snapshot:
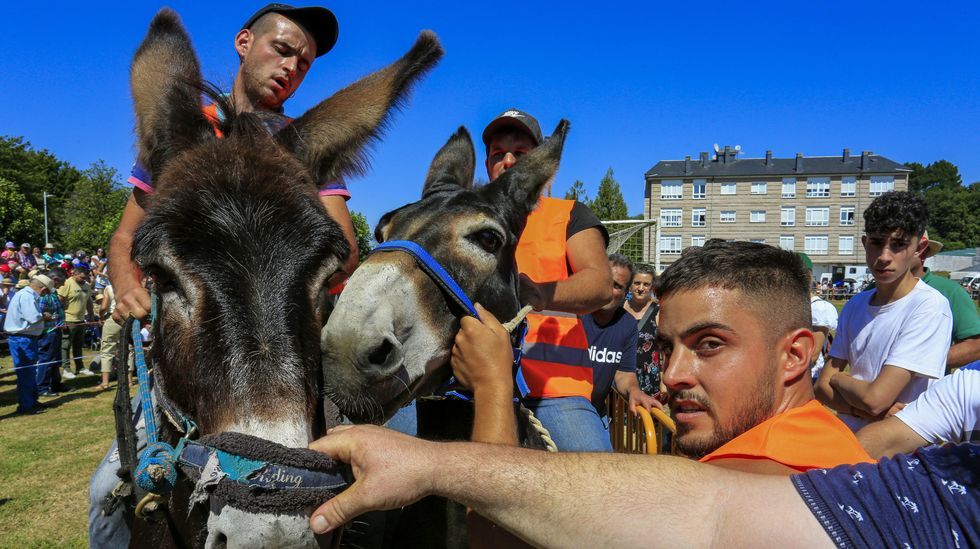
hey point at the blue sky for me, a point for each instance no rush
(640, 81)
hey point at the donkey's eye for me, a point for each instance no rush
(489, 240)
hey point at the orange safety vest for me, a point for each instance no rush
(555, 362)
(803, 438)
(211, 113)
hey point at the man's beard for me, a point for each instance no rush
(755, 408)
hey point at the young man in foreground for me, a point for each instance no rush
(896, 337)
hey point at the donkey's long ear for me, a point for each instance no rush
(452, 168)
(165, 79)
(330, 138)
(524, 182)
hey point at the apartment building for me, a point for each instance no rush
(811, 204)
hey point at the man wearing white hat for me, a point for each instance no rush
(966, 321)
(24, 323)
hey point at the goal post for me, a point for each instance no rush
(637, 239)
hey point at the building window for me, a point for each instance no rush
(700, 189)
(728, 188)
(818, 187)
(789, 187)
(697, 240)
(698, 217)
(671, 189)
(787, 242)
(787, 217)
(845, 245)
(815, 245)
(757, 216)
(817, 217)
(847, 215)
(670, 245)
(881, 184)
(671, 217)
(728, 216)
(848, 186)
(759, 187)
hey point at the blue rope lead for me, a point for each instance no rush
(156, 471)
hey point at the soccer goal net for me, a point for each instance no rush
(634, 238)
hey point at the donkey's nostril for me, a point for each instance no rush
(379, 356)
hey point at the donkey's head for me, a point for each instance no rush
(392, 330)
(238, 244)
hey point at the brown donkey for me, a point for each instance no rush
(239, 249)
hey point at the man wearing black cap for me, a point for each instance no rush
(564, 273)
(276, 47)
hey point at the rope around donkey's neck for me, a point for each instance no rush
(532, 421)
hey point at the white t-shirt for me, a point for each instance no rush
(949, 411)
(822, 313)
(913, 333)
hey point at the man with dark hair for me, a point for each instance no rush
(895, 337)
(276, 46)
(612, 351)
(735, 335)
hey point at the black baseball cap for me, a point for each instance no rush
(319, 22)
(516, 119)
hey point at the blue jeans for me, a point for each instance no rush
(573, 422)
(49, 355)
(405, 420)
(23, 350)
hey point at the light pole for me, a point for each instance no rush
(46, 240)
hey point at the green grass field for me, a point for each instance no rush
(46, 461)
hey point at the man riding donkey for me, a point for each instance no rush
(276, 46)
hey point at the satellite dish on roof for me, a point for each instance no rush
(738, 148)
(716, 147)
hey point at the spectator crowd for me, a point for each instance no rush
(52, 309)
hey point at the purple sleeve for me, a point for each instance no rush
(335, 188)
(140, 178)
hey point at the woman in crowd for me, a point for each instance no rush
(643, 308)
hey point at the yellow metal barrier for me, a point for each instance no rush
(636, 434)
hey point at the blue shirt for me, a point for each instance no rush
(612, 348)
(24, 314)
(52, 305)
(926, 499)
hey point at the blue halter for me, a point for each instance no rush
(435, 271)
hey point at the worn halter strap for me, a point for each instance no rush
(256, 465)
(435, 271)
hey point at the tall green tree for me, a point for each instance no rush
(609, 203)
(953, 208)
(19, 220)
(362, 231)
(35, 172)
(93, 209)
(577, 192)
(941, 174)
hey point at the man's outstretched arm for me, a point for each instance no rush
(131, 297)
(568, 499)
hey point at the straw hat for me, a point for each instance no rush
(934, 246)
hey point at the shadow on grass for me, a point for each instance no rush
(77, 389)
